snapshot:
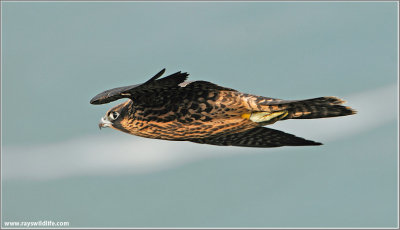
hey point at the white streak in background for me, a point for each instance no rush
(374, 108)
(101, 155)
(118, 153)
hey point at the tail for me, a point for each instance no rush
(268, 112)
(277, 109)
(320, 107)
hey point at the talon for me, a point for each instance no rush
(262, 117)
(284, 115)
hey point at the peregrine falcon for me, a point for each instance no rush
(171, 108)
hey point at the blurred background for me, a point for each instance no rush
(58, 166)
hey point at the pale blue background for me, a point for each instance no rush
(56, 56)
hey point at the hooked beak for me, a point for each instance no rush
(104, 122)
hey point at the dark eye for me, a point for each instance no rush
(113, 115)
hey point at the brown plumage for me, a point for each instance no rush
(202, 112)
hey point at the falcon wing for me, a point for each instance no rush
(133, 91)
(258, 137)
(152, 89)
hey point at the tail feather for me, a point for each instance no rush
(316, 108)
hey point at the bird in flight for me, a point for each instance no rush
(171, 108)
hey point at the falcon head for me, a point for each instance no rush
(121, 117)
(117, 117)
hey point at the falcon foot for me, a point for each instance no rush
(265, 118)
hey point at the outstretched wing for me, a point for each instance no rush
(258, 137)
(133, 91)
(153, 91)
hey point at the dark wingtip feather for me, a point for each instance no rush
(112, 95)
(99, 99)
(155, 77)
(94, 101)
(259, 137)
(308, 142)
(298, 141)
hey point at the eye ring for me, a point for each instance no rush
(114, 115)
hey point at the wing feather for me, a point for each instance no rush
(258, 137)
(133, 91)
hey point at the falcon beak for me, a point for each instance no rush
(104, 122)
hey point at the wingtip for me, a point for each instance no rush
(308, 143)
(94, 101)
(155, 77)
(159, 74)
(317, 143)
